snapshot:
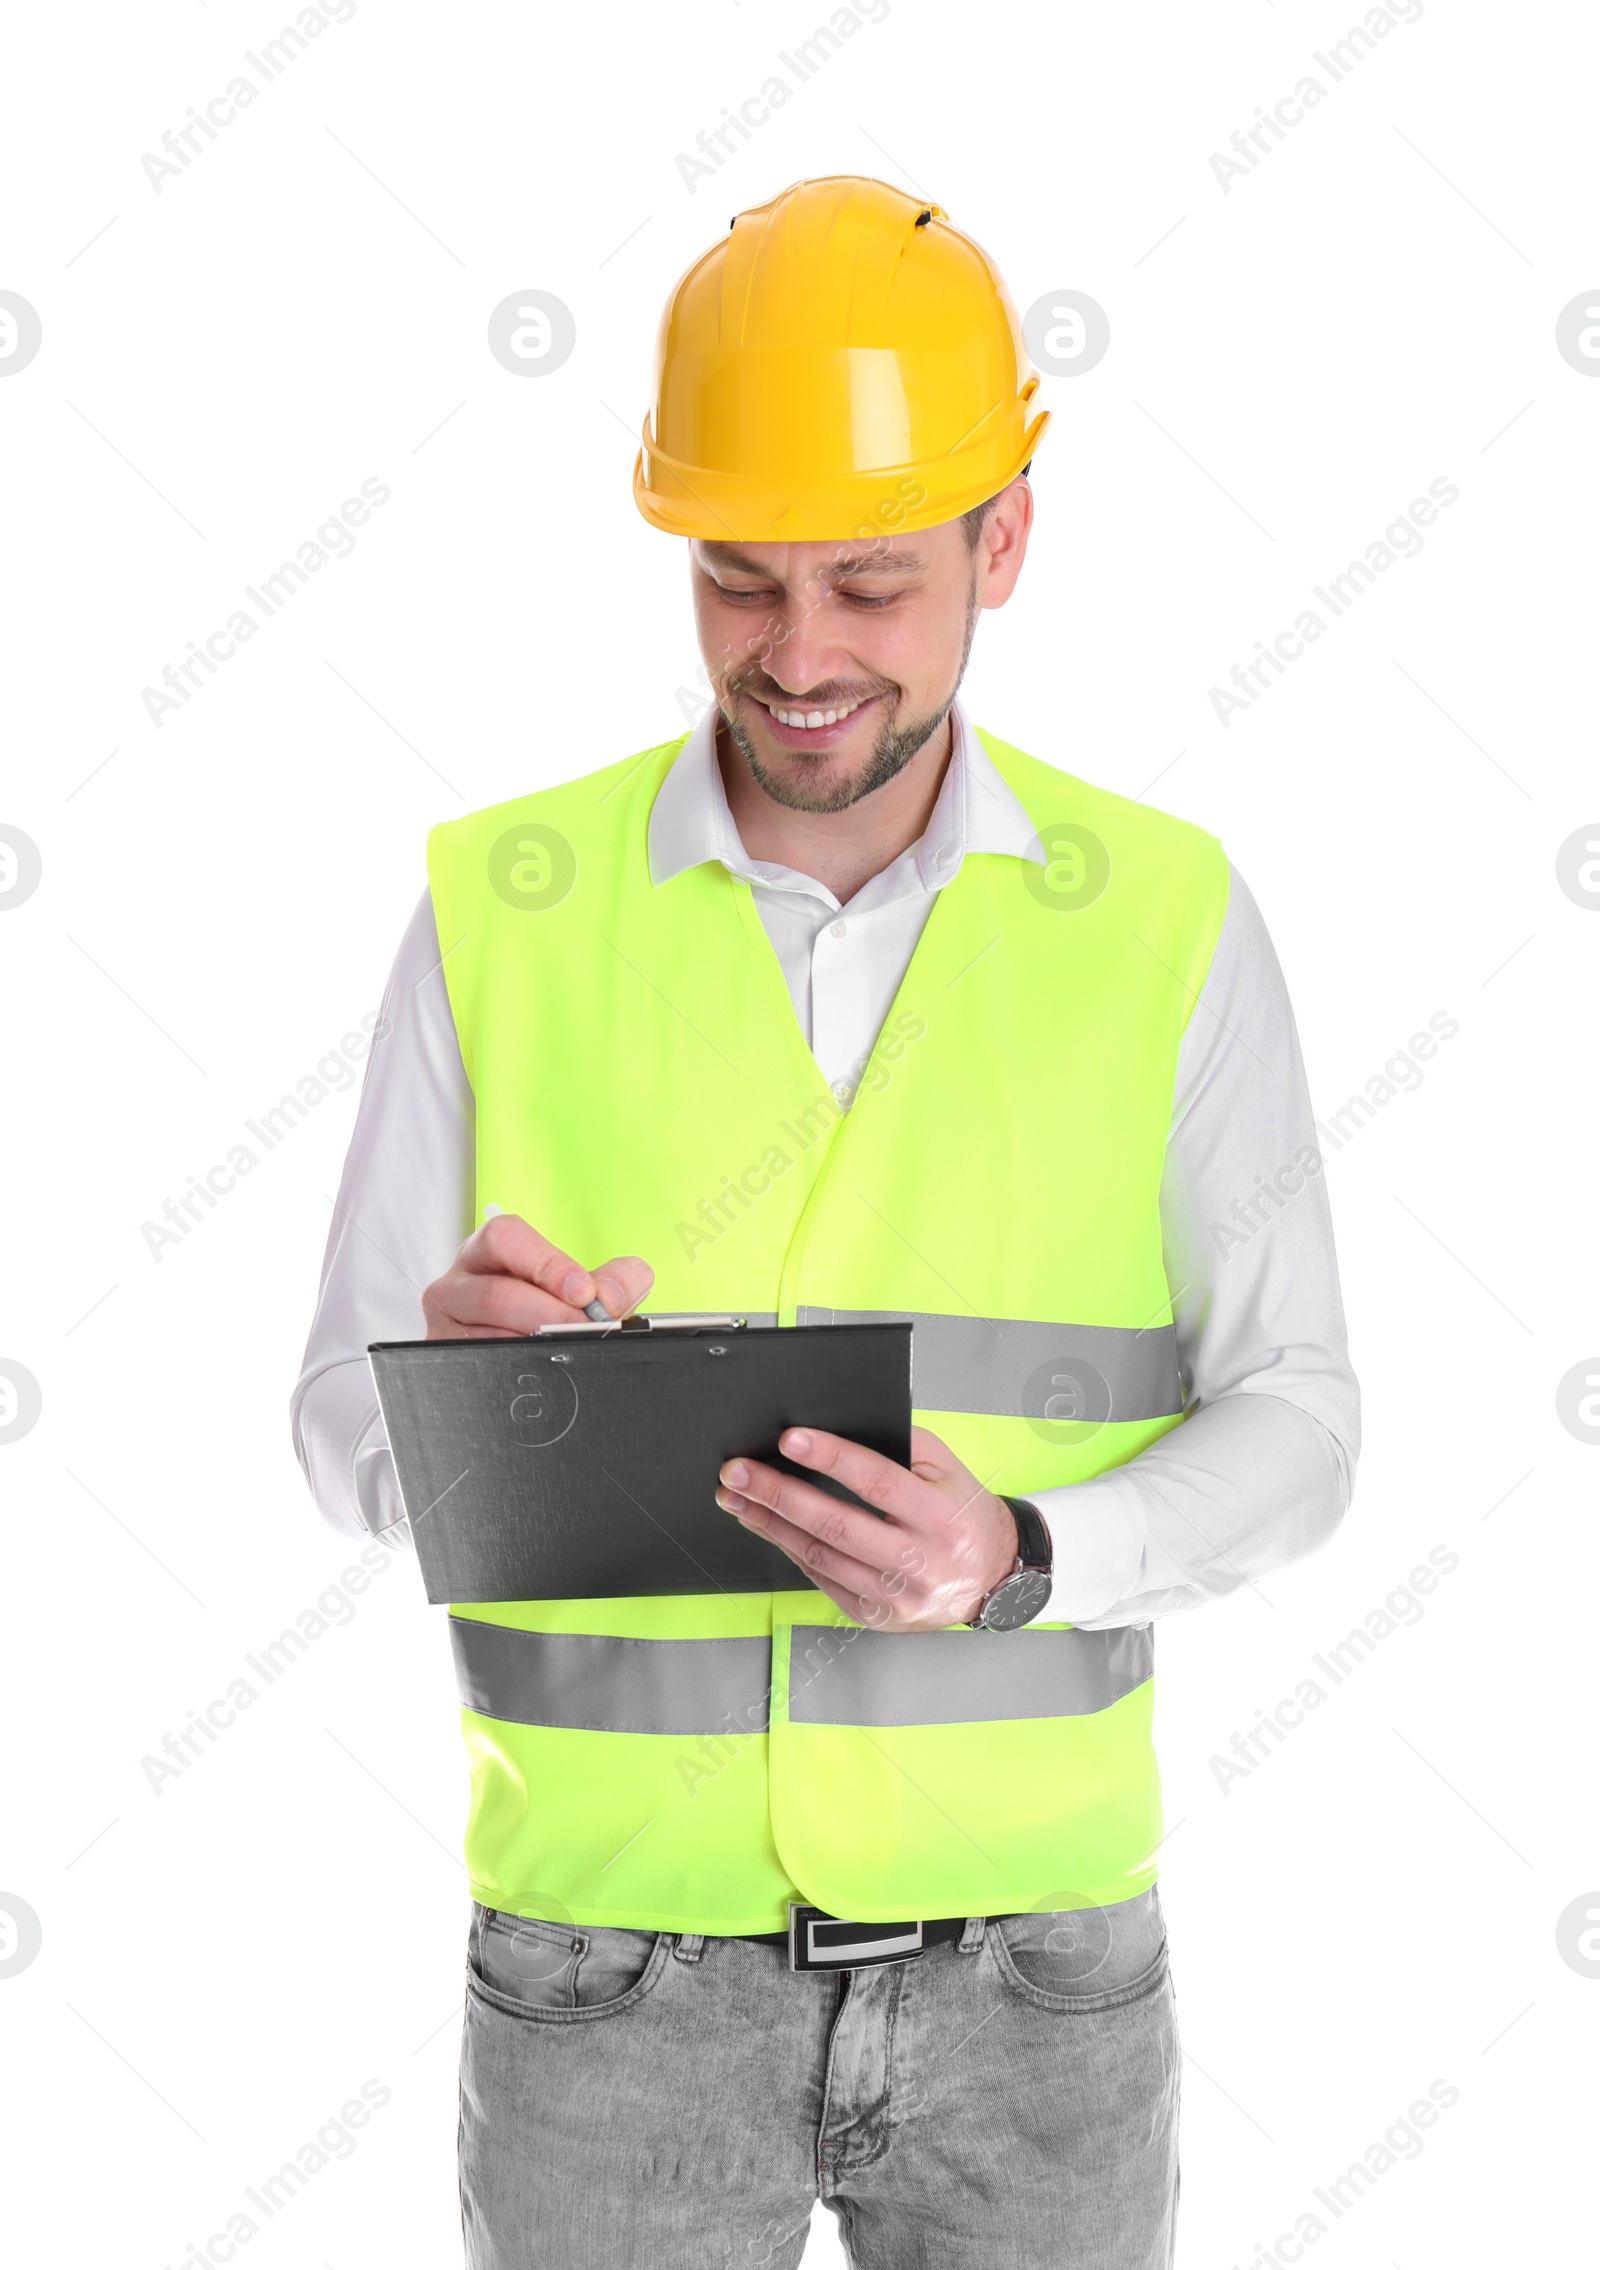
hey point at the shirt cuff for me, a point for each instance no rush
(1097, 1545)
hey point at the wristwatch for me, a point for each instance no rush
(1022, 1595)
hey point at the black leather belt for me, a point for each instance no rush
(819, 1941)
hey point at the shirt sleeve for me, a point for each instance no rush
(405, 1203)
(1260, 1472)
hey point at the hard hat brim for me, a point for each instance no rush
(721, 507)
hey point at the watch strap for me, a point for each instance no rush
(1033, 1536)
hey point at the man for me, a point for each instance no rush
(840, 1007)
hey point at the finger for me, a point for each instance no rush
(623, 1284)
(877, 1480)
(845, 1528)
(857, 1586)
(507, 1246)
(466, 1305)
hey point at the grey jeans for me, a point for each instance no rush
(648, 2100)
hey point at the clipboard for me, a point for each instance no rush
(581, 1462)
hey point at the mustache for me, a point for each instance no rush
(831, 696)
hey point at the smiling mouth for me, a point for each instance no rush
(812, 720)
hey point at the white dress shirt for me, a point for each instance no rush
(1261, 1471)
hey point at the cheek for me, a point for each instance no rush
(919, 652)
(731, 636)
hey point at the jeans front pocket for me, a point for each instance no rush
(1093, 1958)
(560, 1971)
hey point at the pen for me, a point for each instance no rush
(595, 1308)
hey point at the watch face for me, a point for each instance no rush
(1017, 1601)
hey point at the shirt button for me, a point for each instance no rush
(837, 929)
(841, 1089)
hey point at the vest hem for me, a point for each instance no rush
(653, 1918)
(1111, 1893)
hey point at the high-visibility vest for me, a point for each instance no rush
(696, 1762)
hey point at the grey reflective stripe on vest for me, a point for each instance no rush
(839, 1674)
(846, 1675)
(615, 1686)
(1013, 1368)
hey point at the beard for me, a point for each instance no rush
(891, 752)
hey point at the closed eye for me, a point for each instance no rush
(765, 598)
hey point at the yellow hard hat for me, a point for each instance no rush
(843, 362)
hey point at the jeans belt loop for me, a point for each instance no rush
(691, 1945)
(972, 1938)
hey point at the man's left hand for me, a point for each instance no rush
(943, 1544)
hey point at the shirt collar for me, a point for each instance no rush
(975, 810)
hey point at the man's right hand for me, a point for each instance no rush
(507, 1280)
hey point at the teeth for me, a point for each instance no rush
(812, 717)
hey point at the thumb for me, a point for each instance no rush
(931, 1459)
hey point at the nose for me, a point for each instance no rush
(800, 655)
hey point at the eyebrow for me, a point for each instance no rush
(857, 563)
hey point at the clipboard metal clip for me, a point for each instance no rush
(707, 1323)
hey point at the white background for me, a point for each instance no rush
(1292, 360)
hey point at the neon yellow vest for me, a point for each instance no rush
(694, 1763)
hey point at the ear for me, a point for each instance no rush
(1003, 543)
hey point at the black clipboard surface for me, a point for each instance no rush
(572, 1467)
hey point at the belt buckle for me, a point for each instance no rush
(819, 1941)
